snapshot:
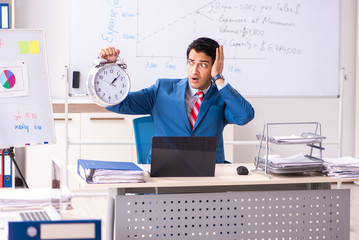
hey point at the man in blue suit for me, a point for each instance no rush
(170, 101)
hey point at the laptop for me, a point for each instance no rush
(183, 156)
(38, 204)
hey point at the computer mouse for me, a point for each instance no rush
(242, 170)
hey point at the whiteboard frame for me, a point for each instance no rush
(52, 136)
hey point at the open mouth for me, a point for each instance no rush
(195, 79)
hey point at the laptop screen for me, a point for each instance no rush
(183, 156)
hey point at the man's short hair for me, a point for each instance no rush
(205, 45)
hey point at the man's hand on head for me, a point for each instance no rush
(218, 64)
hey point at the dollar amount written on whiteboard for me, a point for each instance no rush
(27, 115)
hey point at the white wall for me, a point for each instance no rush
(357, 95)
(53, 16)
(348, 62)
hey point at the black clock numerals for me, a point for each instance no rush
(111, 85)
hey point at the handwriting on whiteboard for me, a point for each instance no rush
(264, 41)
(26, 122)
(246, 29)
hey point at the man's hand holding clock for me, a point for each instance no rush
(107, 71)
(110, 54)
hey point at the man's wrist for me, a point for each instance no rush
(218, 79)
(217, 76)
(221, 84)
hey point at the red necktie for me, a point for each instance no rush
(195, 109)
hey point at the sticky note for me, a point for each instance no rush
(34, 47)
(24, 47)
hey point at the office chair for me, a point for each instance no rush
(144, 130)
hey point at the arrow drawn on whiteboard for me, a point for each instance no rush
(195, 12)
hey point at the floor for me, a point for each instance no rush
(96, 208)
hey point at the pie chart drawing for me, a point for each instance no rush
(7, 79)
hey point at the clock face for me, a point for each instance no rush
(111, 84)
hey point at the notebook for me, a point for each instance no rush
(183, 156)
(46, 209)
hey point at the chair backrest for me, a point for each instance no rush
(144, 131)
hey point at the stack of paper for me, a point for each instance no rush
(93, 171)
(25, 198)
(294, 164)
(304, 138)
(343, 167)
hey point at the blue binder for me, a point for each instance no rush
(86, 168)
(60, 230)
(4, 16)
(1, 169)
(7, 174)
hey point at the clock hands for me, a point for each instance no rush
(114, 80)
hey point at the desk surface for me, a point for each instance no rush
(225, 175)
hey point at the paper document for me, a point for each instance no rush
(293, 164)
(305, 138)
(342, 167)
(23, 198)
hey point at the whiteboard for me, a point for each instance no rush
(272, 48)
(26, 116)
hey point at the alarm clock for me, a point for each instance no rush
(108, 84)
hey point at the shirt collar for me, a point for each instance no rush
(193, 91)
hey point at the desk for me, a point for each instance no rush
(229, 206)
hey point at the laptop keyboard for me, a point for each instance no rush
(34, 216)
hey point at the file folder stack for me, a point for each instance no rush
(294, 164)
(93, 171)
(343, 167)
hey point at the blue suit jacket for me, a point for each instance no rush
(165, 102)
